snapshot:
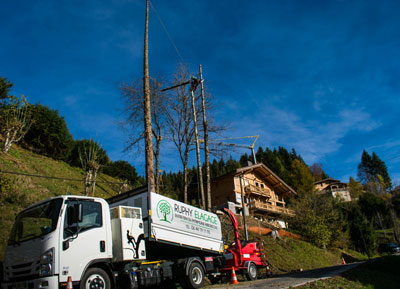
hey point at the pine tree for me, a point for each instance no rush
(365, 168)
(373, 174)
(381, 170)
(361, 232)
(5, 86)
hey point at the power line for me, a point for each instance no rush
(166, 32)
(55, 178)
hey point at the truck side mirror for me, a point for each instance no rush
(74, 214)
(77, 215)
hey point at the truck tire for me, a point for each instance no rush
(195, 277)
(251, 273)
(95, 278)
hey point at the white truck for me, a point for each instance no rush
(133, 240)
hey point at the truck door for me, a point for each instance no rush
(82, 240)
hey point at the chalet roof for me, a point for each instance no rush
(329, 181)
(276, 182)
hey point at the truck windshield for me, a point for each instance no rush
(35, 222)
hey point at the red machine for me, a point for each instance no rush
(245, 256)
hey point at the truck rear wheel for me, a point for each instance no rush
(251, 273)
(195, 278)
(95, 278)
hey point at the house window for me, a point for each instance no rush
(262, 186)
(257, 184)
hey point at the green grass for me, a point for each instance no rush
(33, 189)
(23, 161)
(384, 236)
(379, 273)
(287, 255)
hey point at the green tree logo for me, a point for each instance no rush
(164, 211)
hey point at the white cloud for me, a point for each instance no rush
(313, 139)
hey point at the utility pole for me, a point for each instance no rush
(193, 85)
(243, 208)
(206, 149)
(148, 135)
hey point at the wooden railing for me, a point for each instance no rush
(270, 208)
(251, 189)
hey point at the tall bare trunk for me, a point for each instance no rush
(185, 183)
(147, 108)
(94, 182)
(196, 135)
(158, 172)
(206, 149)
(88, 180)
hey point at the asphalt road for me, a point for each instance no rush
(292, 279)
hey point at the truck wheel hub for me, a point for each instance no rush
(197, 276)
(95, 282)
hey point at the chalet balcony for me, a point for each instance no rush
(270, 209)
(334, 190)
(251, 189)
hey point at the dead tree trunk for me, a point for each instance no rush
(147, 109)
(196, 135)
(206, 149)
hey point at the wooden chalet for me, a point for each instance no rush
(265, 194)
(333, 187)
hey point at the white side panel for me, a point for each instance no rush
(183, 224)
(127, 235)
(183, 238)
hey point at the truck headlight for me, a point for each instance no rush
(47, 263)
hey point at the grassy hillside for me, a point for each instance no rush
(287, 255)
(30, 189)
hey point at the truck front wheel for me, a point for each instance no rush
(195, 278)
(95, 278)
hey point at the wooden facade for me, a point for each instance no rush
(265, 194)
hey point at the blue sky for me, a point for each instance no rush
(317, 76)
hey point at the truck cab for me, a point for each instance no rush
(59, 238)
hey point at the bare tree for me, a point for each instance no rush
(179, 117)
(134, 109)
(15, 121)
(90, 163)
(318, 172)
